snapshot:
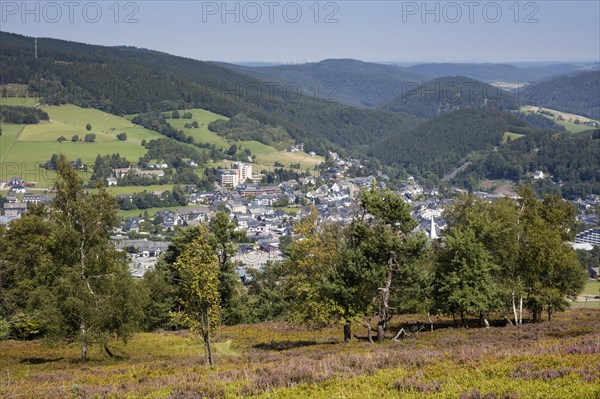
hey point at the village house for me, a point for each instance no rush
(14, 209)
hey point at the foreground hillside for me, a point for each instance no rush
(558, 359)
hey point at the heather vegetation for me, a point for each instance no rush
(553, 360)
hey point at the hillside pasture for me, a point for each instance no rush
(24, 147)
(201, 134)
(567, 120)
(267, 161)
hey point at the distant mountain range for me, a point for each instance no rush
(499, 72)
(352, 82)
(372, 85)
(442, 95)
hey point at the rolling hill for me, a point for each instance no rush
(575, 93)
(126, 80)
(450, 93)
(496, 72)
(438, 145)
(569, 158)
(352, 82)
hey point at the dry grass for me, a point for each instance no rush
(275, 360)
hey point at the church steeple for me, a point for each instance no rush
(432, 231)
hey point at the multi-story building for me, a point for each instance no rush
(590, 236)
(238, 174)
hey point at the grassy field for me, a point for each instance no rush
(152, 211)
(116, 190)
(592, 287)
(551, 360)
(10, 133)
(568, 119)
(200, 134)
(24, 147)
(266, 161)
(22, 101)
(512, 136)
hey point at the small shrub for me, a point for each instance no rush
(4, 329)
(415, 384)
(24, 326)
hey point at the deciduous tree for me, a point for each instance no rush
(199, 299)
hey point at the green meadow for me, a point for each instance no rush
(152, 211)
(567, 120)
(22, 101)
(200, 134)
(511, 136)
(24, 147)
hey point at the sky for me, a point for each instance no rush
(308, 31)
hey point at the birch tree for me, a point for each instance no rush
(199, 300)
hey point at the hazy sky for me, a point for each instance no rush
(302, 31)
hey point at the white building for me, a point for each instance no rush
(239, 173)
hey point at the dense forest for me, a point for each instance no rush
(447, 94)
(125, 80)
(571, 159)
(24, 115)
(577, 93)
(438, 145)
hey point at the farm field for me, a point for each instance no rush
(22, 101)
(567, 121)
(550, 360)
(25, 147)
(116, 190)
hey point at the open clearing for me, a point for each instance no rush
(550, 360)
(201, 134)
(568, 119)
(267, 161)
(512, 136)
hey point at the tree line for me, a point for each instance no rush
(61, 278)
(22, 115)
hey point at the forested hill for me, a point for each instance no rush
(570, 158)
(495, 72)
(438, 145)
(578, 93)
(352, 82)
(448, 94)
(126, 80)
